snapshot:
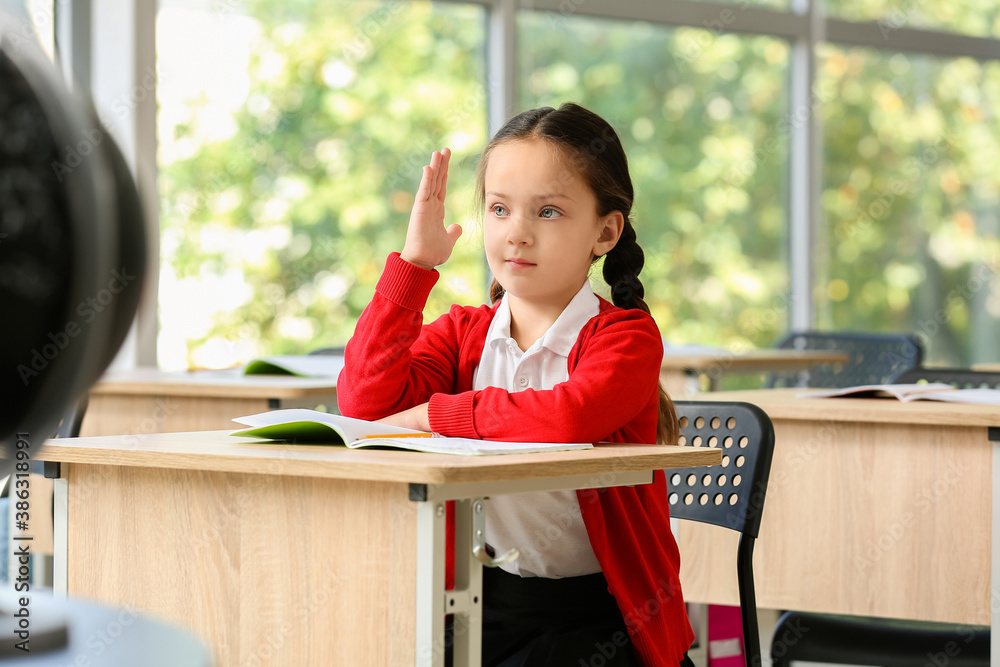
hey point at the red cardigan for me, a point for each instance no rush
(395, 363)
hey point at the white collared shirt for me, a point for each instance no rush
(545, 527)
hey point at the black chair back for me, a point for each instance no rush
(961, 378)
(874, 359)
(730, 495)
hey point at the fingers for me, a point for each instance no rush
(454, 231)
(445, 160)
(434, 180)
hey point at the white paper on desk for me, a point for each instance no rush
(470, 446)
(979, 396)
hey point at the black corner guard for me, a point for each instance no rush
(418, 492)
(51, 469)
(994, 433)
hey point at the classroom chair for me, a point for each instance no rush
(730, 495)
(875, 358)
(961, 378)
(836, 639)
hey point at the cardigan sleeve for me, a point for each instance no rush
(615, 378)
(393, 362)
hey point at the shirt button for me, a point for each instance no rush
(523, 381)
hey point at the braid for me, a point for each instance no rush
(621, 271)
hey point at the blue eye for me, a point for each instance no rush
(549, 213)
(498, 210)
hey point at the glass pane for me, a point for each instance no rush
(970, 17)
(703, 119)
(292, 136)
(910, 200)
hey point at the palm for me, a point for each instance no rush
(428, 242)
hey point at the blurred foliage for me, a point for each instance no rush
(972, 17)
(911, 200)
(313, 190)
(299, 205)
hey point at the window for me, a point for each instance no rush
(291, 138)
(911, 200)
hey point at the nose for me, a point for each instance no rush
(519, 231)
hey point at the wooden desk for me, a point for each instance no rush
(680, 365)
(874, 507)
(148, 400)
(989, 368)
(299, 555)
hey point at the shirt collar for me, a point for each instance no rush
(562, 335)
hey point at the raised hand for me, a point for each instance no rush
(428, 242)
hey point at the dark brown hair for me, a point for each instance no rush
(591, 147)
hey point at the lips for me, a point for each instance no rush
(518, 263)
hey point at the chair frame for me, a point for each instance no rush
(701, 422)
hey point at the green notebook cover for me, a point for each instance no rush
(305, 432)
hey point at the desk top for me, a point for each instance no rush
(785, 404)
(225, 384)
(751, 361)
(220, 452)
(987, 368)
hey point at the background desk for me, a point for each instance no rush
(680, 366)
(148, 400)
(291, 555)
(874, 507)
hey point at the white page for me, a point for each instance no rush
(977, 396)
(472, 447)
(900, 391)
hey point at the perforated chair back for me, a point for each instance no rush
(961, 378)
(874, 359)
(730, 495)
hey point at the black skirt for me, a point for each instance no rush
(536, 622)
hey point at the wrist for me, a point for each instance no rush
(416, 261)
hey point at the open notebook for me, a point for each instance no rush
(312, 427)
(932, 391)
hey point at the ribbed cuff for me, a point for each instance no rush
(405, 284)
(451, 415)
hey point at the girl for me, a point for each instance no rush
(549, 361)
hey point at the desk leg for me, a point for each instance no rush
(60, 534)
(430, 583)
(995, 554)
(464, 602)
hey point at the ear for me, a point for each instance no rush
(609, 231)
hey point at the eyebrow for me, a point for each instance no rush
(549, 195)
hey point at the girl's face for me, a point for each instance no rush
(541, 228)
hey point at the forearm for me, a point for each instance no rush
(614, 384)
(380, 376)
